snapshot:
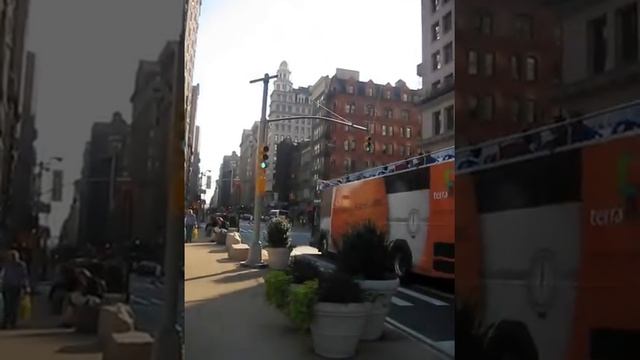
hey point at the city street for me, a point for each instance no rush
(300, 235)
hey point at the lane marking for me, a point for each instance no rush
(442, 347)
(400, 302)
(434, 291)
(422, 297)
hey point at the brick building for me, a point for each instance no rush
(508, 61)
(388, 112)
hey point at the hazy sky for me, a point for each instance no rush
(87, 54)
(240, 40)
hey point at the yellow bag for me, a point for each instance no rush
(194, 234)
(25, 307)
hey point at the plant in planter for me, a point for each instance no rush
(340, 316)
(277, 285)
(278, 242)
(365, 255)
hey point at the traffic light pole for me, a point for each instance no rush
(255, 251)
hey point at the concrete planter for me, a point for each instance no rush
(278, 258)
(336, 328)
(232, 238)
(381, 292)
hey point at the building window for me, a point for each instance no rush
(408, 150)
(350, 89)
(350, 108)
(384, 130)
(372, 128)
(353, 145)
(515, 67)
(371, 110)
(448, 80)
(530, 111)
(370, 91)
(448, 53)
(627, 34)
(484, 24)
(435, 31)
(405, 115)
(487, 107)
(401, 150)
(488, 64)
(532, 65)
(387, 94)
(472, 60)
(388, 113)
(405, 97)
(436, 118)
(447, 22)
(408, 133)
(435, 6)
(390, 149)
(435, 85)
(524, 27)
(448, 118)
(390, 130)
(516, 111)
(384, 149)
(436, 61)
(473, 106)
(597, 44)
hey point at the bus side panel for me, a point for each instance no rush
(356, 203)
(439, 252)
(468, 242)
(408, 196)
(609, 289)
(325, 211)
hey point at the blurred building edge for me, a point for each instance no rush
(14, 94)
(192, 155)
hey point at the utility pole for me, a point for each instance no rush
(167, 344)
(255, 250)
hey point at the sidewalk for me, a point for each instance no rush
(227, 315)
(41, 339)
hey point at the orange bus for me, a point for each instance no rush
(551, 242)
(414, 206)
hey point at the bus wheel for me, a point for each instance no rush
(402, 260)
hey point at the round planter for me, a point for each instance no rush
(336, 328)
(382, 291)
(278, 258)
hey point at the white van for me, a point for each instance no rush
(278, 213)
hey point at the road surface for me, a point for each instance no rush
(147, 301)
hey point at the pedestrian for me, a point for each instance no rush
(189, 224)
(15, 284)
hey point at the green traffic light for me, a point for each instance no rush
(263, 165)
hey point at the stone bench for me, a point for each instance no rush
(232, 239)
(132, 345)
(114, 319)
(239, 252)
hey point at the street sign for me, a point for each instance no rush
(56, 192)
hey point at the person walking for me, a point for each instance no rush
(15, 284)
(190, 223)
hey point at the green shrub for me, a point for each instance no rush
(302, 299)
(277, 285)
(278, 233)
(365, 253)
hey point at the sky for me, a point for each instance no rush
(240, 40)
(87, 52)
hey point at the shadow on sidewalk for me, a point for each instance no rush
(231, 271)
(243, 276)
(217, 250)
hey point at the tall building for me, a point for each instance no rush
(286, 101)
(152, 103)
(600, 52)
(107, 198)
(229, 181)
(191, 147)
(508, 62)
(387, 111)
(437, 73)
(23, 189)
(13, 26)
(191, 92)
(246, 167)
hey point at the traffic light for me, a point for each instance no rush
(368, 146)
(264, 157)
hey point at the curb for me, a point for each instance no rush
(432, 345)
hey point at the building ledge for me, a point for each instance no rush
(434, 95)
(438, 139)
(612, 79)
